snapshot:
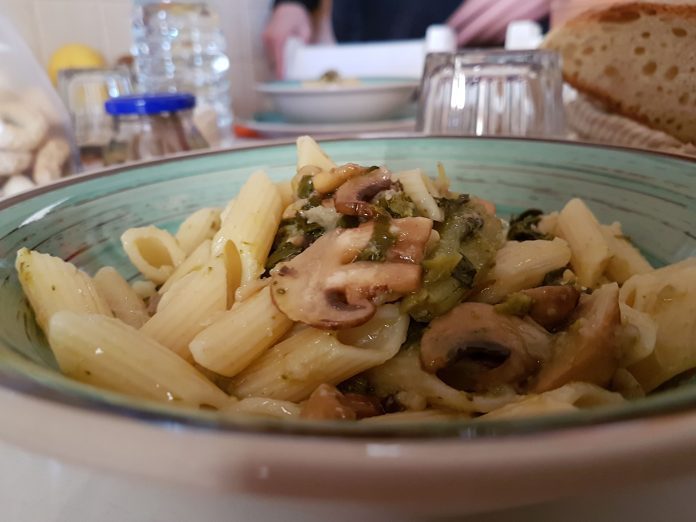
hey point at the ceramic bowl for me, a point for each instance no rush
(372, 99)
(450, 467)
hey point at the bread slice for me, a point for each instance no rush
(639, 59)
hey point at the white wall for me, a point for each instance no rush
(105, 25)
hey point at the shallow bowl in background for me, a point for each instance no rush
(369, 99)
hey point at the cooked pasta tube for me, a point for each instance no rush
(52, 285)
(199, 226)
(105, 352)
(240, 335)
(522, 265)
(310, 154)
(286, 193)
(626, 260)
(188, 307)
(121, 298)
(570, 397)
(668, 297)
(590, 253)
(292, 369)
(153, 251)
(414, 184)
(195, 261)
(251, 225)
(404, 373)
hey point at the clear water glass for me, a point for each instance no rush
(492, 93)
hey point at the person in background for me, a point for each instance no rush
(475, 22)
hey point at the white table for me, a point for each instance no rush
(34, 488)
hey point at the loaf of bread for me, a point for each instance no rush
(639, 59)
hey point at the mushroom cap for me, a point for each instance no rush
(325, 288)
(589, 350)
(352, 196)
(474, 348)
(552, 305)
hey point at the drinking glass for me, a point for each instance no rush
(492, 93)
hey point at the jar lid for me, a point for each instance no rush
(150, 103)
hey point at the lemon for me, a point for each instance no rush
(74, 56)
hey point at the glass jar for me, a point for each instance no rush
(146, 126)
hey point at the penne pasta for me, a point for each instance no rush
(188, 307)
(105, 352)
(292, 369)
(198, 259)
(668, 297)
(570, 397)
(413, 182)
(51, 285)
(404, 373)
(199, 226)
(590, 253)
(250, 227)
(522, 265)
(239, 336)
(144, 289)
(121, 298)
(154, 252)
(626, 260)
(287, 195)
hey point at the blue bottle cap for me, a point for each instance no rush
(150, 103)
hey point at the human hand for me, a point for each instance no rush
(288, 20)
(485, 21)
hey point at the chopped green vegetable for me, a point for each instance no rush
(554, 278)
(398, 205)
(357, 384)
(517, 304)
(469, 239)
(380, 242)
(523, 227)
(305, 187)
(464, 272)
(294, 235)
(347, 221)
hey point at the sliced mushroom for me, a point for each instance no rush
(589, 350)
(329, 180)
(552, 305)
(474, 348)
(327, 403)
(352, 198)
(325, 288)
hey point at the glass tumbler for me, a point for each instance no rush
(492, 93)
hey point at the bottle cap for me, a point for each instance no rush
(150, 103)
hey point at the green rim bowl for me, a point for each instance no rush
(81, 219)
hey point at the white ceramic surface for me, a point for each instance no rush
(371, 100)
(415, 477)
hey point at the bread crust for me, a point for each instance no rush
(617, 14)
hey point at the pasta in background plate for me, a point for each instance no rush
(355, 293)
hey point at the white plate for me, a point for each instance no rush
(372, 99)
(281, 129)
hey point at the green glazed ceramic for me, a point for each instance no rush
(81, 220)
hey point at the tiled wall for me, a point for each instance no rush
(105, 25)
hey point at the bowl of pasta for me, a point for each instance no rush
(509, 320)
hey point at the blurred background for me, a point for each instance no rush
(105, 25)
